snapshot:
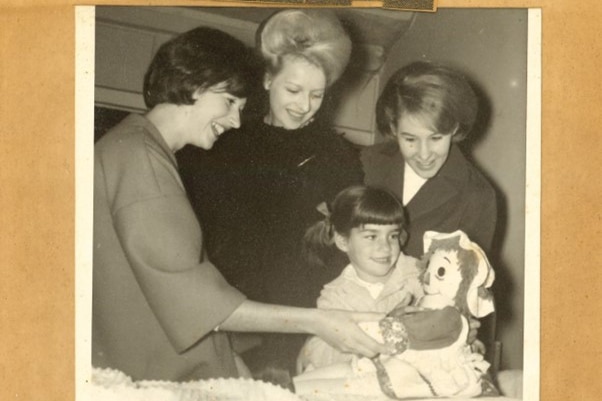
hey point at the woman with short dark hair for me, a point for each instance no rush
(160, 308)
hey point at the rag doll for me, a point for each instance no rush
(433, 358)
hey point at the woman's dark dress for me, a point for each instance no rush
(256, 193)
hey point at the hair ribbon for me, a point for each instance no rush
(324, 210)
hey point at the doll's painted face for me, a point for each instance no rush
(443, 276)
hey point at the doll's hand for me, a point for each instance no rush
(473, 324)
(340, 329)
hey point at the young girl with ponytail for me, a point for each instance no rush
(367, 224)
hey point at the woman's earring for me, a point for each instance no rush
(267, 83)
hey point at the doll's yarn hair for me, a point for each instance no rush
(468, 261)
(314, 35)
(352, 207)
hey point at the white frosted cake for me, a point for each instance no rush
(112, 385)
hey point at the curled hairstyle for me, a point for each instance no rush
(468, 261)
(197, 60)
(316, 36)
(353, 207)
(436, 94)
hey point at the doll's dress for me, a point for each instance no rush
(437, 362)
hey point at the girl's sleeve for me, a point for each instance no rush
(316, 353)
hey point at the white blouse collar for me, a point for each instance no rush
(412, 183)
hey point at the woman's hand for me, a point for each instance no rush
(340, 329)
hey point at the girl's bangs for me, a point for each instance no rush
(381, 214)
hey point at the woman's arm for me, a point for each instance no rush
(337, 328)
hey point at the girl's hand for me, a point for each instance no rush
(478, 347)
(473, 324)
(340, 329)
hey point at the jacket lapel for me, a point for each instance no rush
(440, 189)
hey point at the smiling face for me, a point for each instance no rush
(443, 276)
(424, 149)
(213, 113)
(296, 93)
(372, 250)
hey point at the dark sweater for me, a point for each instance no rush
(256, 193)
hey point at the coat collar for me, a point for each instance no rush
(437, 190)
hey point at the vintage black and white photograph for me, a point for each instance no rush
(311, 204)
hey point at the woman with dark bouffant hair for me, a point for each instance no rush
(160, 307)
(258, 190)
(425, 110)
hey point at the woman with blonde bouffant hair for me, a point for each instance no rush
(286, 35)
(266, 178)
